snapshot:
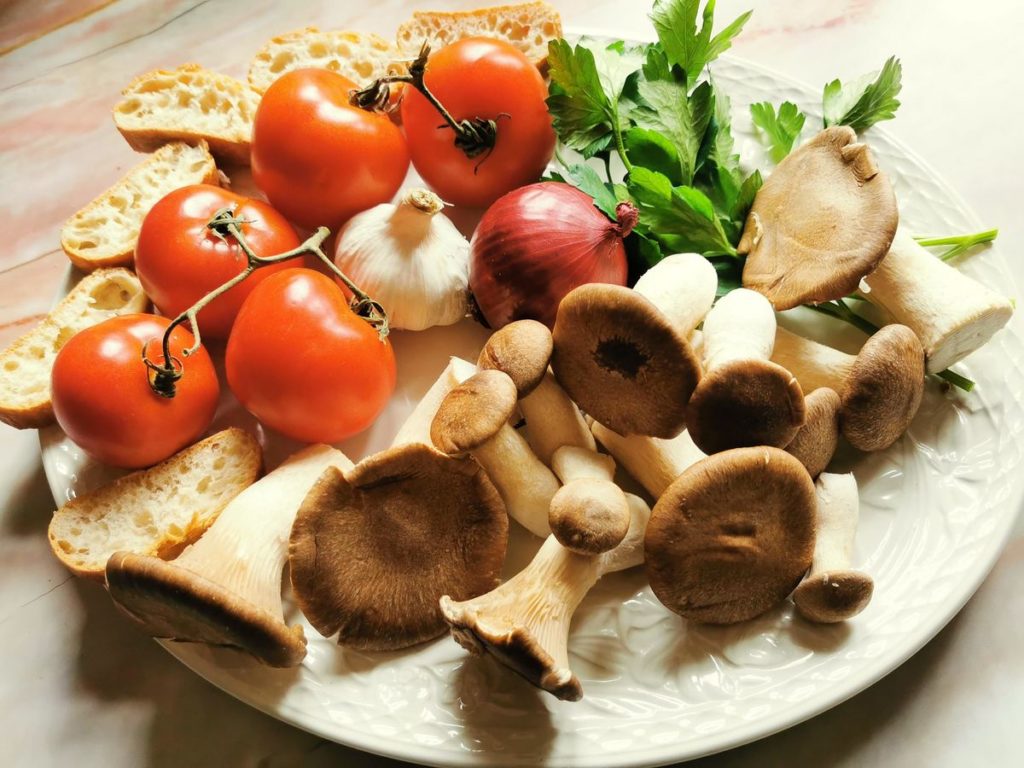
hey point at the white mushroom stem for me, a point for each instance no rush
(740, 326)
(814, 365)
(683, 287)
(951, 314)
(553, 420)
(416, 427)
(836, 523)
(245, 550)
(573, 463)
(651, 461)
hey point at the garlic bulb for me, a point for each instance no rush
(410, 258)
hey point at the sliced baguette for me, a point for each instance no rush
(26, 364)
(359, 56)
(103, 234)
(157, 511)
(527, 26)
(188, 104)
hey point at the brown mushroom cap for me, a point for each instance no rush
(622, 361)
(883, 390)
(374, 549)
(823, 220)
(744, 403)
(522, 350)
(589, 516)
(831, 597)
(732, 536)
(170, 601)
(815, 444)
(473, 412)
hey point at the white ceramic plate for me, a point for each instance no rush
(936, 510)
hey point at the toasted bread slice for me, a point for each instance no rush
(103, 234)
(157, 511)
(527, 26)
(26, 364)
(359, 56)
(188, 104)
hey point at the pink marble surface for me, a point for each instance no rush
(81, 687)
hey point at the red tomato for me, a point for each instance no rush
(318, 159)
(301, 361)
(103, 401)
(480, 77)
(179, 259)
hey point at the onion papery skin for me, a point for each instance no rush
(535, 245)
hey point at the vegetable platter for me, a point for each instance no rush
(706, 645)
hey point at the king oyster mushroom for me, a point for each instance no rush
(624, 355)
(744, 398)
(732, 536)
(822, 221)
(880, 388)
(226, 588)
(373, 548)
(590, 513)
(951, 314)
(816, 442)
(652, 461)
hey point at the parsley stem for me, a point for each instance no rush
(620, 147)
(960, 243)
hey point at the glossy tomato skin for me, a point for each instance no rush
(490, 79)
(179, 259)
(318, 159)
(304, 364)
(103, 401)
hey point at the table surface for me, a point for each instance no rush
(81, 686)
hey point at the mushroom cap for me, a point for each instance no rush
(170, 601)
(517, 649)
(522, 350)
(745, 403)
(815, 444)
(589, 516)
(883, 390)
(833, 596)
(823, 220)
(374, 549)
(622, 361)
(473, 412)
(732, 536)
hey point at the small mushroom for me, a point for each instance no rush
(822, 221)
(652, 461)
(744, 398)
(623, 355)
(732, 536)
(374, 548)
(473, 418)
(880, 388)
(816, 442)
(524, 623)
(832, 592)
(952, 314)
(589, 514)
(416, 427)
(226, 588)
(522, 350)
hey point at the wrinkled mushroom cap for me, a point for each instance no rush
(374, 549)
(473, 412)
(744, 403)
(522, 350)
(732, 536)
(815, 444)
(172, 602)
(884, 388)
(622, 362)
(589, 516)
(823, 220)
(831, 597)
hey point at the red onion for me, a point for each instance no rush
(536, 244)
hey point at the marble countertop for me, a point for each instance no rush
(65, 695)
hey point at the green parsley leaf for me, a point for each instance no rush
(867, 100)
(683, 120)
(652, 150)
(779, 130)
(586, 179)
(676, 24)
(582, 113)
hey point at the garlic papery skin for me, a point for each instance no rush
(409, 258)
